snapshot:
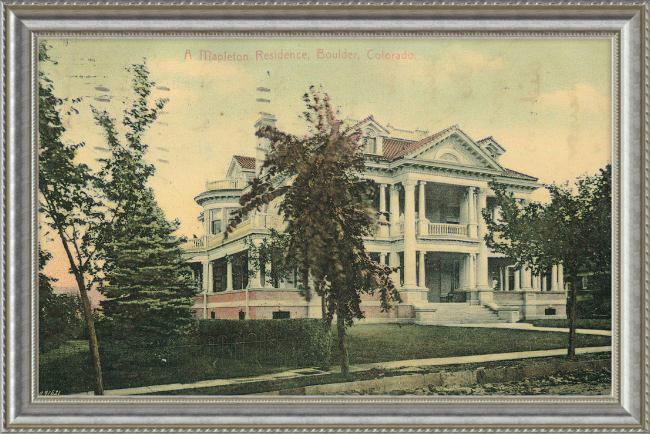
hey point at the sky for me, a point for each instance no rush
(547, 101)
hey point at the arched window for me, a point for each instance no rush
(449, 157)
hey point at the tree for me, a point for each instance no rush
(60, 317)
(573, 230)
(150, 288)
(326, 207)
(82, 206)
(70, 205)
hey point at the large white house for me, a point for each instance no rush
(432, 190)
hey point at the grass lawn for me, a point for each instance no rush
(368, 343)
(68, 369)
(583, 323)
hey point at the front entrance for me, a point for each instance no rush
(442, 277)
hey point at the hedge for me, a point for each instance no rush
(308, 336)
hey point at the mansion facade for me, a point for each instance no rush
(432, 190)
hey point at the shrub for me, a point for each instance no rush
(308, 337)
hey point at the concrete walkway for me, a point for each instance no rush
(527, 326)
(308, 372)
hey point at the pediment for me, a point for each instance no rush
(455, 148)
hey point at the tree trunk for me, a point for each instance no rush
(343, 353)
(323, 309)
(573, 316)
(92, 337)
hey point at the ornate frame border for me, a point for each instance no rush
(627, 23)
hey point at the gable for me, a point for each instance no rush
(455, 147)
(370, 124)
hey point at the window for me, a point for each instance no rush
(370, 142)
(449, 157)
(549, 311)
(213, 315)
(242, 314)
(370, 145)
(280, 314)
(215, 221)
(585, 282)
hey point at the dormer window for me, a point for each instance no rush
(370, 142)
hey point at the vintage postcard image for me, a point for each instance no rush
(325, 216)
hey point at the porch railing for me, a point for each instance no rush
(446, 229)
(226, 184)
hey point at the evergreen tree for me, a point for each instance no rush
(148, 286)
(149, 289)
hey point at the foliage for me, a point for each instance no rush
(314, 341)
(69, 203)
(60, 317)
(573, 230)
(326, 206)
(148, 286)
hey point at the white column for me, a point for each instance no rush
(517, 280)
(560, 277)
(506, 279)
(472, 229)
(394, 263)
(409, 235)
(206, 276)
(422, 269)
(210, 276)
(384, 229)
(255, 281)
(554, 278)
(482, 259)
(535, 281)
(394, 210)
(525, 280)
(228, 274)
(382, 259)
(423, 223)
(502, 286)
(543, 276)
(206, 222)
(471, 271)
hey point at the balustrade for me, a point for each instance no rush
(226, 184)
(446, 229)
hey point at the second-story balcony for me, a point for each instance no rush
(444, 230)
(226, 184)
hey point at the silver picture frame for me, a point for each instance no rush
(626, 23)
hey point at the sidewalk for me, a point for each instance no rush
(527, 326)
(401, 364)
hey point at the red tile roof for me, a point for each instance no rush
(245, 162)
(395, 148)
(513, 174)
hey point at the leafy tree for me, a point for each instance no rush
(149, 287)
(60, 317)
(326, 207)
(80, 205)
(573, 230)
(69, 204)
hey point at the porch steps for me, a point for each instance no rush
(458, 313)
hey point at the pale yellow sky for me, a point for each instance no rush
(546, 101)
